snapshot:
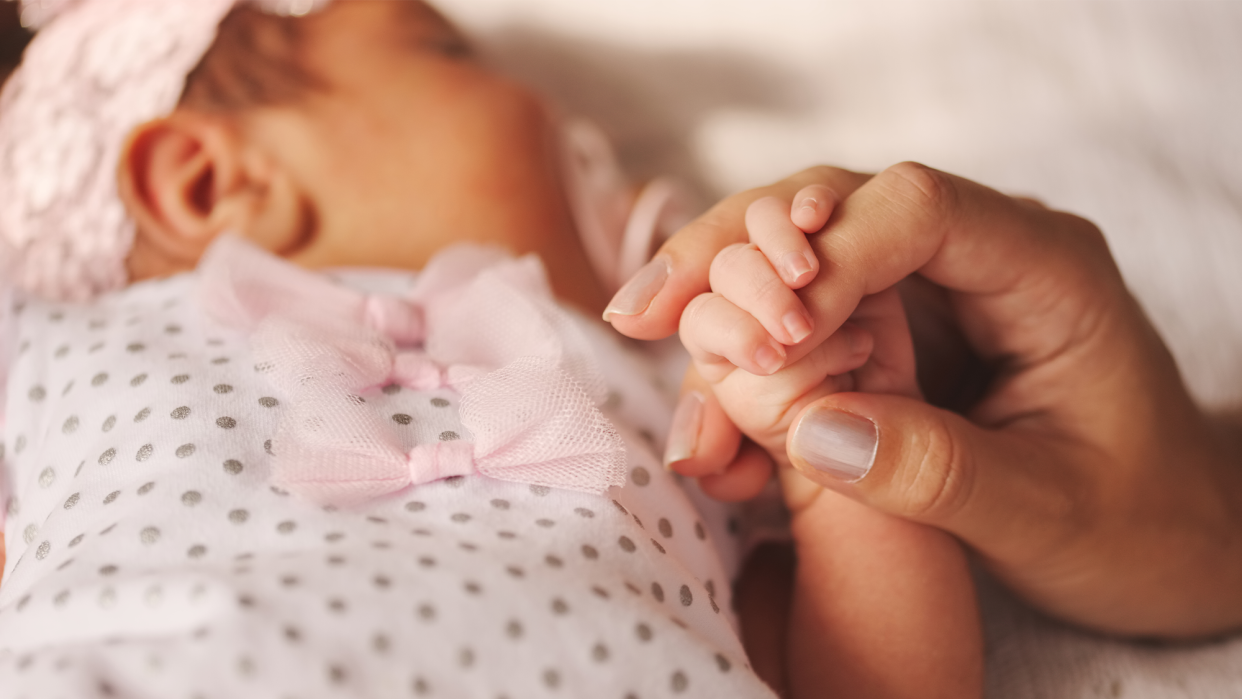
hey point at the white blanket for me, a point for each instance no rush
(1127, 113)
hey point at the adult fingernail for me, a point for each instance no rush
(636, 295)
(769, 359)
(683, 436)
(797, 325)
(796, 266)
(839, 444)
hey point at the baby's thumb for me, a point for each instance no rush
(918, 462)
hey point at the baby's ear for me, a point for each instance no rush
(189, 177)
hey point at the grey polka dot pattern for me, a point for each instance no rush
(665, 527)
(172, 516)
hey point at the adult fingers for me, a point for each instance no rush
(784, 244)
(704, 443)
(743, 479)
(702, 439)
(915, 461)
(649, 306)
(1020, 263)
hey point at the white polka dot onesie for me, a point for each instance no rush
(152, 552)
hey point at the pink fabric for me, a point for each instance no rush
(477, 323)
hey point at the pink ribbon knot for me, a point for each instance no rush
(483, 325)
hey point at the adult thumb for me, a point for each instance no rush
(915, 461)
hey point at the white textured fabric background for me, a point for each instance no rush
(1125, 112)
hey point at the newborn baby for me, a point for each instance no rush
(234, 477)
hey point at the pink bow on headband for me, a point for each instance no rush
(476, 322)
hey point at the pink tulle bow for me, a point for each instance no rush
(477, 323)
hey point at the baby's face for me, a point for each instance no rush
(413, 145)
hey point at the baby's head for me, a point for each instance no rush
(366, 134)
(363, 134)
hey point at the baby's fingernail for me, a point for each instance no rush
(636, 295)
(683, 436)
(835, 443)
(769, 359)
(797, 325)
(796, 266)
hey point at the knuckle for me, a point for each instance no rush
(1088, 250)
(936, 480)
(726, 263)
(691, 325)
(1087, 233)
(765, 291)
(926, 190)
(818, 173)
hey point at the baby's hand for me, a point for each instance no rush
(744, 338)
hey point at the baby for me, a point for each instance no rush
(747, 340)
(210, 465)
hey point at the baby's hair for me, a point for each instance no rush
(260, 59)
(256, 60)
(13, 39)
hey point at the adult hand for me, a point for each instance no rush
(1085, 477)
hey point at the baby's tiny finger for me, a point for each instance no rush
(742, 275)
(844, 351)
(713, 328)
(812, 206)
(745, 477)
(782, 242)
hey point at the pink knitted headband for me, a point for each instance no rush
(96, 70)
